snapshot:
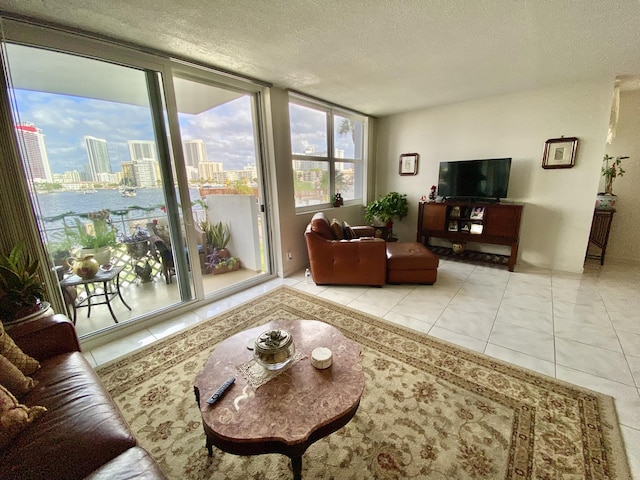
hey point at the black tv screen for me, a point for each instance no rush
(486, 179)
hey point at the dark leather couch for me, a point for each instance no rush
(359, 261)
(82, 434)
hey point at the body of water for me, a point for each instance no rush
(146, 204)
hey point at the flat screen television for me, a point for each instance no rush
(476, 180)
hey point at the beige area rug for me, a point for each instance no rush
(430, 410)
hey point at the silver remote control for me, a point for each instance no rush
(220, 391)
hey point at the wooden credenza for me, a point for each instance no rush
(461, 222)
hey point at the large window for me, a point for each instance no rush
(328, 153)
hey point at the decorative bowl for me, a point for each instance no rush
(274, 349)
(457, 247)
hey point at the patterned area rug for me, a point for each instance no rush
(430, 410)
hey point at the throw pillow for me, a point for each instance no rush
(14, 417)
(12, 352)
(320, 225)
(336, 229)
(14, 379)
(348, 232)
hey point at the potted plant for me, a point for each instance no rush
(381, 212)
(337, 200)
(21, 290)
(219, 259)
(611, 169)
(137, 243)
(95, 238)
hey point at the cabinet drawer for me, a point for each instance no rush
(502, 221)
(434, 216)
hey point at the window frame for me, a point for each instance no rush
(331, 111)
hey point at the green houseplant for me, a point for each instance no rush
(21, 290)
(611, 169)
(218, 235)
(95, 238)
(382, 211)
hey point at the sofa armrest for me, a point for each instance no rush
(45, 337)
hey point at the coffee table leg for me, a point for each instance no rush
(296, 466)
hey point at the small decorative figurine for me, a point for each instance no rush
(432, 193)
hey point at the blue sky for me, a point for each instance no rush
(227, 129)
(65, 120)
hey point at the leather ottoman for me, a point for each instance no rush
(411, 262)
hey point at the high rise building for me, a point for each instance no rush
(195, 152)
(33, 151)
(147, 173)
(98, 156)
(142, 150)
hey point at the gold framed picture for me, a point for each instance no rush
(560, 152)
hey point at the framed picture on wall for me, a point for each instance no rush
(409, 164)
(560, 152)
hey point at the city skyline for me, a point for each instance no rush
(65, 121)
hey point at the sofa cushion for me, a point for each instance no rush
(14, 417)
(12, 378)
(320, 225)
(82, 430)
(12, 352)
(135, 463)
(336, 229)
(347, 232)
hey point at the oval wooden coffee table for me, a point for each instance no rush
(289, 412)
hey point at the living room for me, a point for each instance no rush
(501, 122)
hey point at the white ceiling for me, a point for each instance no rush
(376, 56)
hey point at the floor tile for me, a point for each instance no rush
(368, 308)
(466, 323)
(526, 361)
(529, 301)
(409, 322)
(632, 440)
(524, 317)
(130, 343)
(597, 361)
(458, 338)
(581, 313)
(524, 340)
(484, 307)
(176, 324)
(634, 365)
(597, 335)
(420, 310)
(630, 343)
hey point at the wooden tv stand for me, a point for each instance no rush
(461, 222)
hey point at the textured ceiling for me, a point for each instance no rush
(376, 56)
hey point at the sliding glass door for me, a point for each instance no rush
(219, 130)
(93, 143)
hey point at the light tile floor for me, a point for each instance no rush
(580, 328)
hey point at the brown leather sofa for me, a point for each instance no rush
(82, 434)
(358, 261)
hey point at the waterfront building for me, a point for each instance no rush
(98, 156)
(195, 153)
(33, 151)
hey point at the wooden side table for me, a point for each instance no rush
(599, 235)
(289, 412)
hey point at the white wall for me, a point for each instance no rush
(559, 203)
(625, 229)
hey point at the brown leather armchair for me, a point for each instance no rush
(358, 261)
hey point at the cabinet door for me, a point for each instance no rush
(502, 221)
(434, 216)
